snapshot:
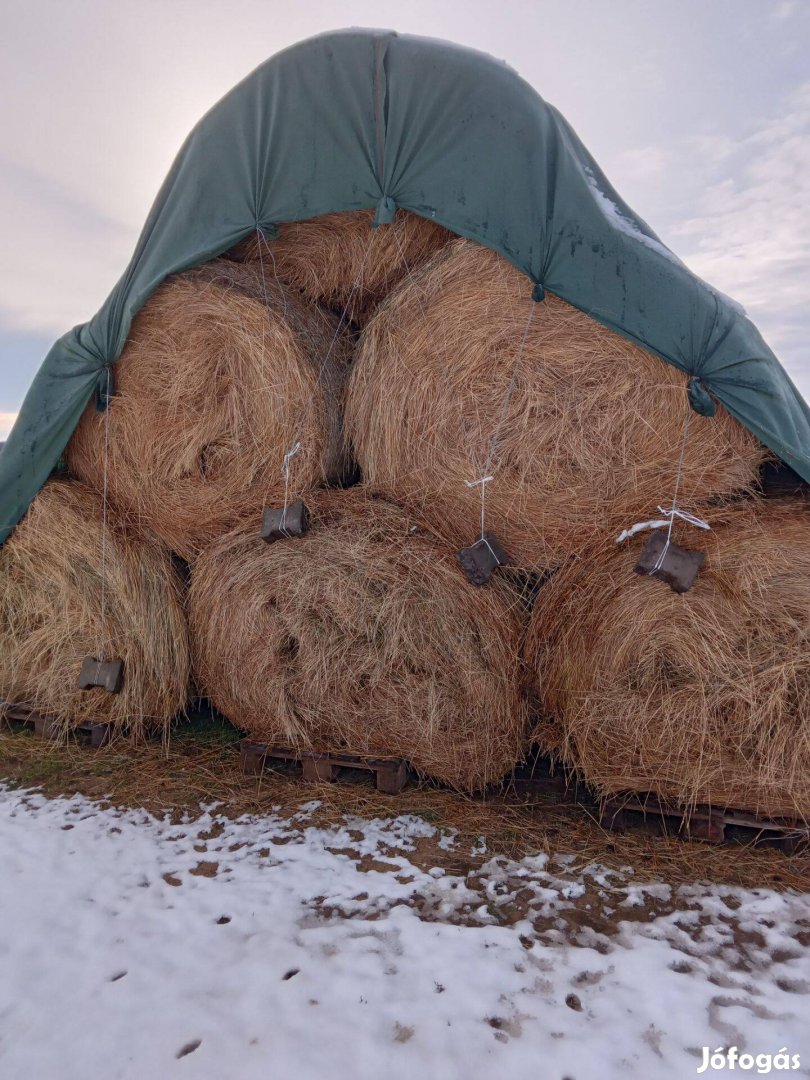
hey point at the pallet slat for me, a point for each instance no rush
(391, 774)
(617, 813)
(45, 727)
(707, 823)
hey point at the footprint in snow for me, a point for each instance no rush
(189, 1048)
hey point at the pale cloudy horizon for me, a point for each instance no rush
(699, 114)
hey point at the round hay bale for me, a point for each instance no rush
(702, 697)
(362, 636)
(585, 430)
(221, 375)
(52, 615)
(340, 260)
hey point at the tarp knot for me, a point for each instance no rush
(105, 388)
(270, 231)
(699, 397)
(538, 293)
(385, 212)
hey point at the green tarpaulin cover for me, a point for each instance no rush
(367, 118)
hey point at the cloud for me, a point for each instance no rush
(22, 354)
(62, 254)
(786, 9)
(749, 232)
(647, 164)
(735, 210)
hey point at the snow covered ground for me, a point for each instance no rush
(265, 947)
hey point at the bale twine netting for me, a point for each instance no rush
(362, 636)
(341, 261)
(223, 373)
(460, 374)
(702, 697)
(71, 589)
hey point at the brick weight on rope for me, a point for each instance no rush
(676, 565)
(479, 560)
(106, 674)
(292, 519)
(285, 522)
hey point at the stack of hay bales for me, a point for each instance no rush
(363, 636)
(701, 697)
(67, 592)
(228, 366)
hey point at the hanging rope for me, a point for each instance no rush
(483, 483)
(104, 514)
(668, 514)
(673, 510)
(408, 271)
(296, 447)
(285, 470)
(494, 441)
(487, 476)
(262, 240)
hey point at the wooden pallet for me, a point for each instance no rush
(45, 727)
(539, 779)
(710, 824)
(391, 775)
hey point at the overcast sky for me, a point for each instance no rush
(698, 111)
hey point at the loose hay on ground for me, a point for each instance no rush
(340, 260)
(220, 378)
(587, 436)
(191, 771)
(362, 636)
(702, 697)
(51, 615)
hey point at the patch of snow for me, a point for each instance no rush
(132, 947)
(627, 225)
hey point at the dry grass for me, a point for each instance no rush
(703, 697)
(325, 257)
(214, 385)
(589, 437)
(361, 636)
(51, 615)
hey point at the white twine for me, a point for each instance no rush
(510, 389)
(409, 273)
(660, 523)
(669, 514)
(483, 482)
(488, 478)
(104, 516)
(263, 240)
(285, 467)
(285, 471)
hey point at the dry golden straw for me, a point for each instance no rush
(51, 615)
(590, 436)
(362, 636)
(702, 697)
(326, 257)
(213, 387)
